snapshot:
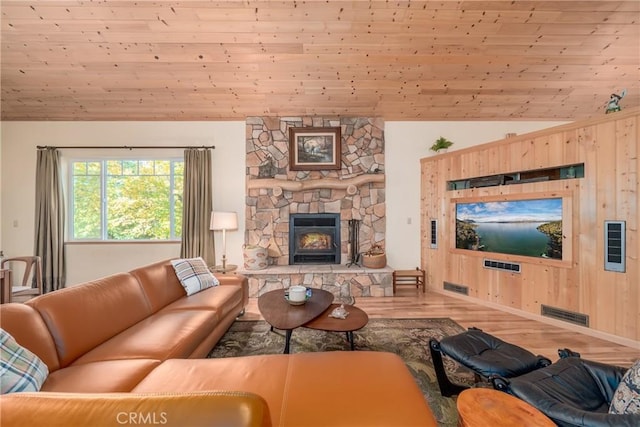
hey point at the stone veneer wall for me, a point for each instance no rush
(268, 205)
(340, 280)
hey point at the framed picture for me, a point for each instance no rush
(314, 149)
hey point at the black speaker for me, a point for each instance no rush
(434, 234)
(614, 246)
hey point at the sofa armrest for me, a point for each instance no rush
(237, 280)
(231, 279)
(210, 409)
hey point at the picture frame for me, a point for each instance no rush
(315, 148)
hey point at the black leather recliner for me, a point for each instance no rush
(572, 392)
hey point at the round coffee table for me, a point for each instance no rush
(357, 319)
(488, 407)
(277, 311)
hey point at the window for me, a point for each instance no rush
(126, 199)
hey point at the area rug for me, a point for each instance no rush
(409, 338)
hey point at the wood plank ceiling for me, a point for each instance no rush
(400, 60)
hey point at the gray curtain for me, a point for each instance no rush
(197, 239)
(49, 222)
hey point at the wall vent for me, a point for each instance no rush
(565, 315)
(456, 288)
(614, 246)
(511, 267)
(434, 234)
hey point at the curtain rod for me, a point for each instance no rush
(127, 147)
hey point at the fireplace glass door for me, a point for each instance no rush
(314, 239)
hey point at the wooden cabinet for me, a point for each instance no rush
(593, 166)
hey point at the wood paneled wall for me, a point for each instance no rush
(608, 147)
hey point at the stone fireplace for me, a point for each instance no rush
(314, 238)
(277, 197)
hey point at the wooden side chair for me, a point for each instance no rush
(5, 285)
(31, 284)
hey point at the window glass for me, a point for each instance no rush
(126, 199)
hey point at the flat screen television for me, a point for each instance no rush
(531, 227)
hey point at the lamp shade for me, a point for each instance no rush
(224, 221)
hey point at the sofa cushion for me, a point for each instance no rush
(108, 376)
(84, 316)
(265, 375)
(160, 284)
(626, 399)
(20, 369)
(25, 324)
(548, 388)
(356, 388)
(163, 335)
(194, 275)
(221, 299)
(488, 355)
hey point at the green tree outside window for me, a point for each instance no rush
(127, 199)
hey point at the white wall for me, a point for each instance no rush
(89, 261)
(1, 188)
(406, 143)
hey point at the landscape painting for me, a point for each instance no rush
(520, 227)
(314, 149)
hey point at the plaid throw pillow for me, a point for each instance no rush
(20, 369)
(194, 274)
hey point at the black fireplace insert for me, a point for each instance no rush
(314, 238)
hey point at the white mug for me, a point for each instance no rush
(297, 293)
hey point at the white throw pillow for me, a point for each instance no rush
(20, 369)
(194, 274)
(626, 399)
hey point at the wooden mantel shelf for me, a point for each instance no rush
(332, 183)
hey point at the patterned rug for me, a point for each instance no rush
(409, 338)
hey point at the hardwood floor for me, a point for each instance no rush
(537, 337)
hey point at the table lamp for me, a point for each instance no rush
(224, 221)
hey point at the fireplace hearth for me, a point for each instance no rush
(314, 238)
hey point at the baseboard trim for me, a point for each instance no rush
(564, 325)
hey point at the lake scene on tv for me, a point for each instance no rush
(520, 227)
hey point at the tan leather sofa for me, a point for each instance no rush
(137, 337)
(119, 328)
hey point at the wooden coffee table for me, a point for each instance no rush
(281, 315)
(488, 407)
(357, 319)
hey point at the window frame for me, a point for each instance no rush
(103, 160)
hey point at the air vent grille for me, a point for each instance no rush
(511, 267)
(614, 246)
(434, 234)
(456, 288)
(564, 315)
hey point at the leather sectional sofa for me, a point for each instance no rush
(130, 349)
